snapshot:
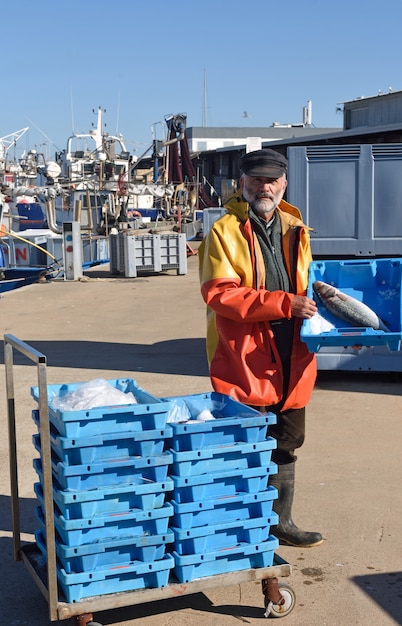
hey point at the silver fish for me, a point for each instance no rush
(347, 308)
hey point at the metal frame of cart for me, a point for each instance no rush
(279, 597)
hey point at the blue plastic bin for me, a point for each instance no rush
(224, 483)
(137, 575)
(108, 553)
(94, 475)
(376, 283)
(107, 500)
(188, 567)
(224, 535)
(223, 509)
(120, 498)
(103, 447)
(234, 422)
(149, 413)
(195, 435)
(217, 458)
(114, 526)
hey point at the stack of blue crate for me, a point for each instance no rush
(221, 498)
(110, 480)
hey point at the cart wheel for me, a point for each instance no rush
(280, 610)
(94, 624)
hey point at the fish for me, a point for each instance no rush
(346, 307)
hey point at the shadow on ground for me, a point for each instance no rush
(185, 357)
(366, 382)
(27, 516)
(197, 602)
(386, 590)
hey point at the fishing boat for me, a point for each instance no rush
(96, 182)
(15, 277)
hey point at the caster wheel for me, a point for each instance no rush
(94, 624)
(280, 610)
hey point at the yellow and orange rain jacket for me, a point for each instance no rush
(243, 358)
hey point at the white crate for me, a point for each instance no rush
(209, 216)
(131, 254)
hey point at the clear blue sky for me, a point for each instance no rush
(144, 59)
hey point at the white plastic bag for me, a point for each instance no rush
(178, 412)
(186, 411)
(319, 324)
(95, 393)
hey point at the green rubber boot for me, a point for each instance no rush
(286, 531)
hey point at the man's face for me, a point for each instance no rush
(263, 194)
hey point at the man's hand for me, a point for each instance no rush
(302, 306)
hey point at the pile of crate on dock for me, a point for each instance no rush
(221, 498)
(154, 490)
(110, 479)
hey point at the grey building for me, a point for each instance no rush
(366, 120)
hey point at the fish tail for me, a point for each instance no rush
(382, 326)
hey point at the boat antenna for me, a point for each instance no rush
(72, 110)
(118, 113)
(44, 134)
(204, 107)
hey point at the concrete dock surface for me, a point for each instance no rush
(349, 471)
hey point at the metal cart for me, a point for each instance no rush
(279, 598)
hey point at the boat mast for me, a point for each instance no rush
(97, 133)
(204, 108)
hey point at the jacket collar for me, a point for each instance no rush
(287, 212)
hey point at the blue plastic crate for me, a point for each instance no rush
(101, 554)
(149, 413)
(376, 283)
(147, 495)
(137, 575)
(225, 483)
(103, 447)
(102, 527)
(224, 535)
(121, 499)
(141, 494)
(217, 458)
(191, 566)
(137, 480)
(223, 509)
(92, 476)
(234, 422)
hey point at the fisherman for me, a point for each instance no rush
(253, 274)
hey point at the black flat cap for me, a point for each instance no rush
(267, 163)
